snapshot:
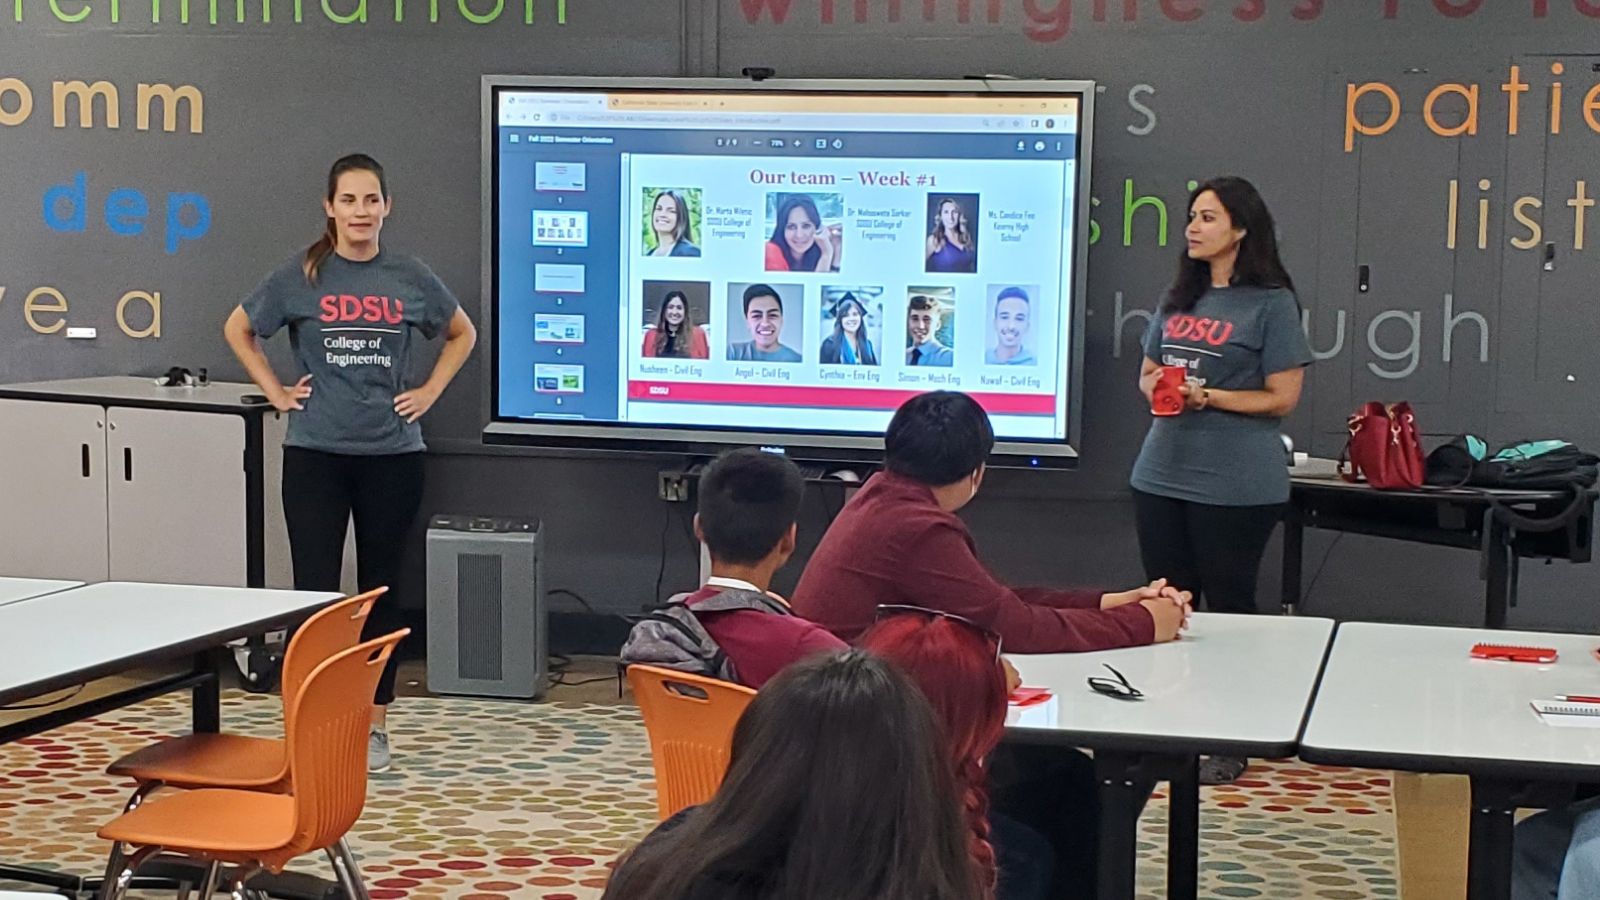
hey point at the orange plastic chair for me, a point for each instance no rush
(255, 830)
(237, 761)
(690, 720)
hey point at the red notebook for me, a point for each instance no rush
(1028, 696)
(1514, 653)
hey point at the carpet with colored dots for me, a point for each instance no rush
(492, 799)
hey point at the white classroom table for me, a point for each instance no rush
(14, 589)
(65, 639)
(1412, 698)
(1235, 685)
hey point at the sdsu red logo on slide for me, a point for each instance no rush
(350, 308)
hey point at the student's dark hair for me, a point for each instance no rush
(839, 787)
(760, 290)
(921, 302)
(808, 260)
(748, 501)
(938, 438)
(318, 253)
(1008, 293)
(1258, 264)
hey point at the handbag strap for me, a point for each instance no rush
(1581, 498)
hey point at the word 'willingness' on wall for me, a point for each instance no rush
(270, 12)
(1052, 20)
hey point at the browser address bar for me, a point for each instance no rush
(663, 118)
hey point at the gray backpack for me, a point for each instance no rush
(672, 637)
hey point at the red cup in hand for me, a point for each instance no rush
(1166, 399)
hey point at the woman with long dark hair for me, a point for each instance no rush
(1033, 834)
(1211, 483)
(354, 449)
(849, 345)
(952, 247)
(838, 788)
(671, 232)
(676, 334)
(800, 242)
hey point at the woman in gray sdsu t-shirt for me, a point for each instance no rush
(1210, 483)
(354, 445)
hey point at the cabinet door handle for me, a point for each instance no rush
(85, 457)
(127, 463)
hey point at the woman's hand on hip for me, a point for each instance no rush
(288, 397)
(412, 404)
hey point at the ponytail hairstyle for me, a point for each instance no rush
(958, 669)
(318, 253)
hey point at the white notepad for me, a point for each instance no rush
(1569, 715)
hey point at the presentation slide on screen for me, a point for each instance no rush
(784, 262)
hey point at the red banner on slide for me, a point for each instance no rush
(824, 397)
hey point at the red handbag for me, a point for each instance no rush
(1383, 447)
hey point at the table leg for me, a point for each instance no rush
(1489, 849)
(1183, 831)
(1122, 796)
(207, 695)
(1293, 558)
(1498, 570)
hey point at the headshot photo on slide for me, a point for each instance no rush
(852, 325)
(1011, 336)
(952, 244)
(930, 326)
(805, 232)
(676, 319)
(670, 218)
(766, 322)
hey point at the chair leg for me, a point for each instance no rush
(348, 870)
(208, 885)
(118, 878)
(240, 877)
(114, 861)
(140, 793)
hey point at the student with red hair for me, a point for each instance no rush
(1041, 847)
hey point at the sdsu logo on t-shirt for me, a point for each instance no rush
(350, 308)
(1193, 328)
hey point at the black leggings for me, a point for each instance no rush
(320, 493)
(1213, 551)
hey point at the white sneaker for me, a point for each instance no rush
(378, 756)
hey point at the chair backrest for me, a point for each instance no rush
(327, 738)
(335, 627)
(690, 719)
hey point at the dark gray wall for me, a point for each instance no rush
(1227, 92)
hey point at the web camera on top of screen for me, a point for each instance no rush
(758, 73)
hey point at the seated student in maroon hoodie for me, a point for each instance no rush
(899, 541)
(748, 504)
